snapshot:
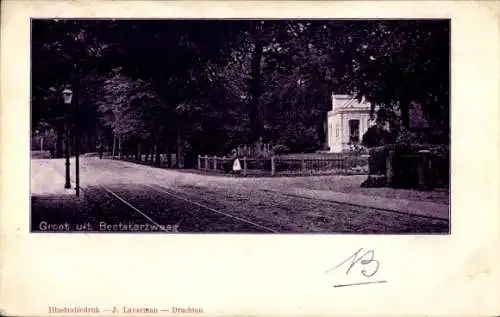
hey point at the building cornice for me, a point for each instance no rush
(348, 110)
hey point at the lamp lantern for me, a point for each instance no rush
(67, 95)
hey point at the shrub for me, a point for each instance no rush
(280, 149)
(440, 162)
(357, 149)
(256, 150)
(406, 137)
(376, 162)
(241, 151)
(405, 162)
(375, 136)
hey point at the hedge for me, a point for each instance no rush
(405, 163)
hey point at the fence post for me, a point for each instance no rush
(273, 166)
(215, 163)
(303, 166)
(244, 165)
(206, 162)
(199, 162)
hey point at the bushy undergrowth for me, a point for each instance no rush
(259, 151)
(405, 161)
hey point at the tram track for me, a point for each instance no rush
(163, 208)
(131, 196)
(135, 209)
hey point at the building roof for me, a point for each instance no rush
(345, 103)
(342, 96)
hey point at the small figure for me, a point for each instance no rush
(236, 166)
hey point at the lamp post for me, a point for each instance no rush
(67, 95)
(77, 128)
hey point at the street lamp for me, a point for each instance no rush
(67, 95)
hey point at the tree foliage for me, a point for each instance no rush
(209, 86)
(397, 63)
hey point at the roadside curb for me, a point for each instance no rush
(417, 208)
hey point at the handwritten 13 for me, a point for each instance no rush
(369, 269)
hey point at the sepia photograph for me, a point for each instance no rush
(240, 126)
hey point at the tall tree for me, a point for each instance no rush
(394, 64)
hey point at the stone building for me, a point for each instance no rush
(347, 121)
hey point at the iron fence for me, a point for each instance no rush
(283, 166)
(270, 166)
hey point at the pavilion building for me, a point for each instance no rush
(347, 121)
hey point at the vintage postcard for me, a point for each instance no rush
(250, 158)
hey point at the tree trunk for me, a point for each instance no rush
(59, 142)
(119, 147)
(151, 154)
(157, 154)
(113, 151)
(405, 113)
(90, 146)
(255, 91)
(180, 149)
(169, 157)
(138, 153)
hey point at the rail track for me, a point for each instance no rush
(161, 207)
(172, 195)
